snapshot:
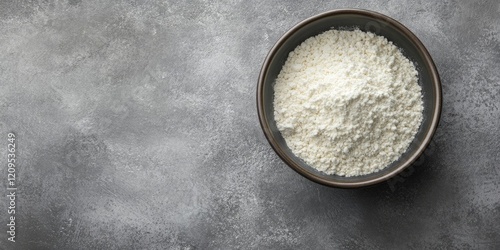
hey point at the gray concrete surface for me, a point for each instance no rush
(137, 129)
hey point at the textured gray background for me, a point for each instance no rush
(137, 129)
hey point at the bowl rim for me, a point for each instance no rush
(436, 82)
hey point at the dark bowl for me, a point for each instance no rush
(412, 48)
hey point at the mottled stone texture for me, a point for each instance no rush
(137, 129)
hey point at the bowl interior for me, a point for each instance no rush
(349, 20)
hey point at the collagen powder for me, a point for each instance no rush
(348, 102)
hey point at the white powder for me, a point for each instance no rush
(348, 102)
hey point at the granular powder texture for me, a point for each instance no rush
(348, 102)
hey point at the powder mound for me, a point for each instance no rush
(348, 102)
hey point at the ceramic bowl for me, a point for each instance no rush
(412, 48)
